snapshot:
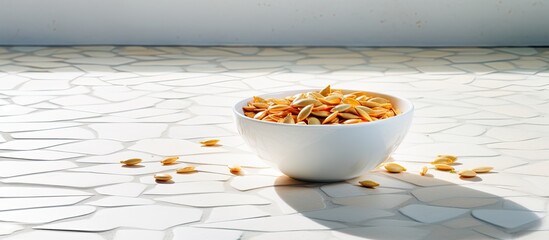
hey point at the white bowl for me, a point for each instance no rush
(325, 153)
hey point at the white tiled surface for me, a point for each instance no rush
(68, 115)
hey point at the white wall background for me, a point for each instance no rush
(276, 22)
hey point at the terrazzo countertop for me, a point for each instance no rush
(68, 115)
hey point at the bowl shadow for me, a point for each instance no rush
(389, 222)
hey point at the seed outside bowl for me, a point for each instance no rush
(324, 153)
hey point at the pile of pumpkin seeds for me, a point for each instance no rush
(327, 106)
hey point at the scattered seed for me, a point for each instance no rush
(188, 169)
(483, 169)
(467, 173)
(163, 177)
(451, 157)
(169, 160)
(369, 183)
(234, 168)
(444, 167)
(210, 142)
(131, 162)
(442, 160)
(394, 168)
(424, 170)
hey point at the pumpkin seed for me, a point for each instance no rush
(363, 113)
(350, 95)
(260, 115)
(279, 101)
(305, 112)
(387, 106)
(260, 105)
(378, 113)
(365, 109)
(314, 95)
(163, 177)
(379, 100)
(394, 168)
(351, 101)
(369, 104)
(305, 102)
(362, 97)
(369, 183)
(313, 121)
(288, 119)
(330, 117)
(322, 107)
(352, 121)
(326, 91)
(169, 160)
(352, 110)
(278, 108)
(444, 167)
(188, 169)
(248, 108)
(234, 168)
(442, 160)
(131, 162)
(210, 142)
(348, 116)
(331, 100)
(451, 157)
(321, 113)
(483, 169)
(423, 171)
(467, 173)
(250, 114)
(341, 107)
(257, 99)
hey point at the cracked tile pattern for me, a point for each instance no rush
(68, 115)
